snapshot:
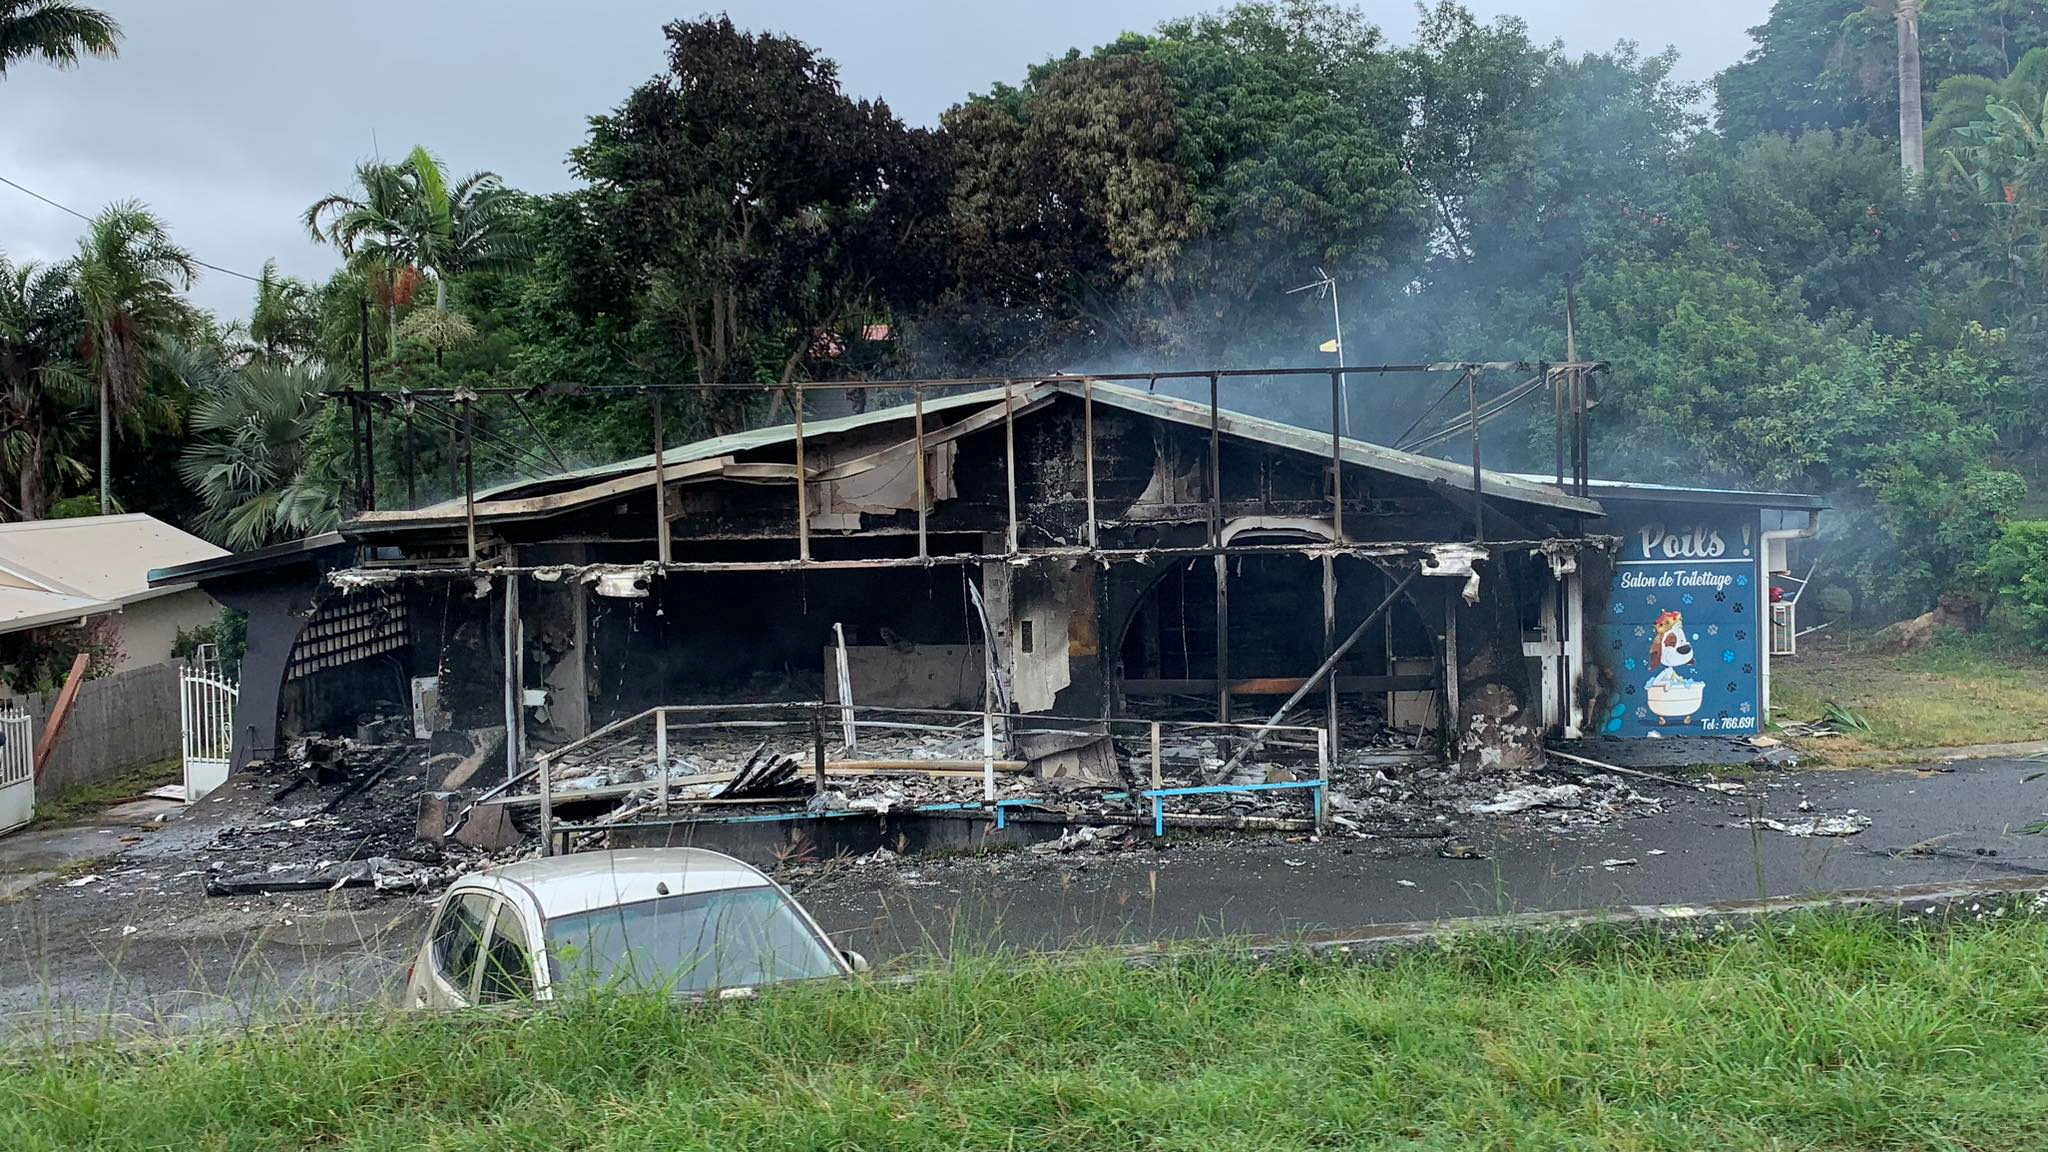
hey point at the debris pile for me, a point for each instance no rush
(333, 814)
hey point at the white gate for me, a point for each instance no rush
(17, 768)
(206, 713)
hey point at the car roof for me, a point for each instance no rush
(582, 881)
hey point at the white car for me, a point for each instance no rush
(681, 920)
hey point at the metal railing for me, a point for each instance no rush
(818, 727)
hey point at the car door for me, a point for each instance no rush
(505, 968)
(456, 945)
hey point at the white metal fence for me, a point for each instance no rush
(17, 768)
(206, 716)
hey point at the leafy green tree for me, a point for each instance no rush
(60, 33)
(130, 279)
(46, 386)
(755, 210)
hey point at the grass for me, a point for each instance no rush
(86, 799)
(1960, 690)
(1816, 1032)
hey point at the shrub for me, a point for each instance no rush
(2016, 566)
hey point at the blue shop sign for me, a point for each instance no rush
(1682, 628)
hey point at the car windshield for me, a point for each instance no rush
(691, 943)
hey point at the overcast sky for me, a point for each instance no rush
(228, 117)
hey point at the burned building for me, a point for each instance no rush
(1068, 553)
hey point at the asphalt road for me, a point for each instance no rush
(1958, 825)
(142, 947)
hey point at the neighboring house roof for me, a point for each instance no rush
(1234, 425)
(56, 570)
(242, 563)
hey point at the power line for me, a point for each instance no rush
(88, 220)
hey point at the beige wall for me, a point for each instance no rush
(150, 627)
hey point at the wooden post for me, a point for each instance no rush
(917, 433)
(803, 487)
(1158, 760)
(62, 712)
(1088, 447)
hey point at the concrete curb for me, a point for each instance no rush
(1905, 900)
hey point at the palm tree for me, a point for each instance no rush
(59, 33)
(129, 277)
(285, 323)
(407, 219)
(41, 382)
(251, 458)
(1912, 151)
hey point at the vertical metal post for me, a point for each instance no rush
(469, 479)
(818, 749)
(1330, 694)
(412, 460)
(1323, 756)
(1088, 447)
(1221, 562)
(917, 434)
(354, 495)
(1010, 460)
(369, 453)
(1158, 760)
(1478, 485)
(515, 669)
(661, 757)
(1557, 416)
(803, 485)
(365, 493)
(988, 743)
(1336, 458)
(1215, 469)
(661, 541)
(1222, 638)
(1449, 719)
(544, 770)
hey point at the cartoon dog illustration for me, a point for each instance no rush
(1675, 691)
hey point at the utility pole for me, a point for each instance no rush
(1326, 285)
(1912, 126)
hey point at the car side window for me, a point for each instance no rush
(508, 970)
(458, 939)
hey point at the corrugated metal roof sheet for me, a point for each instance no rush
(1236, 425)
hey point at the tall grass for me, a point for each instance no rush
(1819, 1032)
